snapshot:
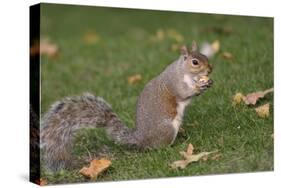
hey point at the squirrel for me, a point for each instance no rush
(159, 111)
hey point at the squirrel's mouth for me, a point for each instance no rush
(204, 79)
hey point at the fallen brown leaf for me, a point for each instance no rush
(263, 111)
(252, 98)
(134, 79)
(96, 167)
(189, 157)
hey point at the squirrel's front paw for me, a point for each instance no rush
(202, 84)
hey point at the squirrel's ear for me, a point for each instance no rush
(184, 50)
(194, 46)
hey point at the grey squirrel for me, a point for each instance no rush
(159, 112)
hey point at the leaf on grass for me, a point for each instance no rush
(96, 167)
(272, 135)
(134, 79)
(216, 46)
(190, 149)
(210, 50)
(227, 55)
(189, 157)
(91, 37)
(263, 111)
(237, 99)
(252, 98)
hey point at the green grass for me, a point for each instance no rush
(125, 48)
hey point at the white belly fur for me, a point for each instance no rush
(188, 81)
(176, 123)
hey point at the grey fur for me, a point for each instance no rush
(155, 111)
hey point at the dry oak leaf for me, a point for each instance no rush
(134, 79)
(97, 166)
(252, 98)
(263, 111)
(189, 157)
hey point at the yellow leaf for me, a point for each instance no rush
(189, 157)
(216, 46)
(237, 98)
(263, 111)
(96, 167)
(134, 79)
(227, 55)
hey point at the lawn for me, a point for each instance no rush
(99, 48)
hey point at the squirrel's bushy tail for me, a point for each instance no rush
(71, 114)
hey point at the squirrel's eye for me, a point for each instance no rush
(195, 62)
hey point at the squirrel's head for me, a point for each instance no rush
(195, 63)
